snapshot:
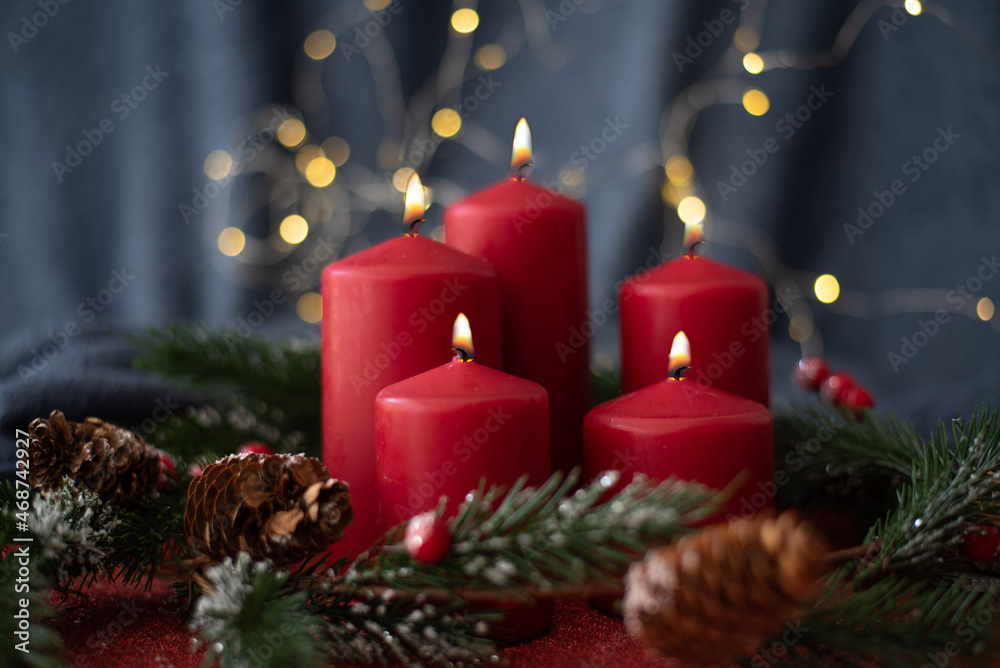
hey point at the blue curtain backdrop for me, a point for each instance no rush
(103, 242)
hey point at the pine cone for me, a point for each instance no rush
(279, 507)
(115, 463)
(722, 589)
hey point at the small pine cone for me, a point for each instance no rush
(115, 463)
(285, 508)
(724, 588)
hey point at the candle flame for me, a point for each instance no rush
(413, 210)
(680, 353)
(694, 233)
(461, 338)
(520, 157)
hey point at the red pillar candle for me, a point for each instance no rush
(439, 432)
(385, 312)
(681, 428)
(536, 239)
(723, 310)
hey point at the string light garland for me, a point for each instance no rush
(310, 177)
(725, 84)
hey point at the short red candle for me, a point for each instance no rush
(386, 311)
(724, 312)
(679, 428)
(537, 241)
(439, 432)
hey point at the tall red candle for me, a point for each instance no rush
(723, 310)
(680, 428)
(385, 312)
(537, 240)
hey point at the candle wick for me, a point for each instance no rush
(462, 355)
(690, 252)
(520, 171)
(678, 373)
(413, 228)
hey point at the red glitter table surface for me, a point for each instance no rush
(124, 627)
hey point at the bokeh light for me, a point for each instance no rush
(310, 307)
(913, 7)
(401, 177)
(679, 170)
(465, 20)
(232, 241)
(320, 44)
(755, 101)
(691, 210)
(446, 122)
(307, 154)
(800, 328)
(377, 5)
(753, 63)
(292, 132)
(746, 38)
(337, 149)
(985, 309)
(827, 288)
(218, 164)
(294, 229)
(490, 57)
(320, 172)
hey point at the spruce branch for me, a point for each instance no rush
(548, 541)
(248, 617)
(254, 388)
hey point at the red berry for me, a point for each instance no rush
(857, 400)
(194, 470)
(427, 538)
(810, 372)
(255, 448)
(168, 470)
(980, 542)
(7, 549)
(836, 384)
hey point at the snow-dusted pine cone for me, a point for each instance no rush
(724, 588)
(115, 463)
(285, 508)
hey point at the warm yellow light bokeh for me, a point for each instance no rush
(755, 101)
(827, 288)
(232, 241)
(913, 7)
(310, 307)
(691, 210)
(292, 132)
(465, 20)
(679, 170)
(307, 154)
(490, 57)
(446, 122)
(401, 177)
(800, 328)
(294, 229)
(985, 309)
(746, 38)
(217, 165)
(377, 5)
(753, 63)
(320, 172)
(320, 44)
(337, 149)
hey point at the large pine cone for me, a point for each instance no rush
(724, 588)
(285, 508)
(115, 463)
